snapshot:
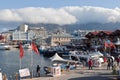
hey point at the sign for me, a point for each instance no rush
(97, 63)
(1, 76)
(24, 72)
(56, 71)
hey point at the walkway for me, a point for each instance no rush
(82, 74)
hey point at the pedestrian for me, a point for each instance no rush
(118, 61)
(108, 65)
(68, 67)
(83, 63)
(105, 59)
(16, 76)
(90, 64)
(38, 71)
(4, 77)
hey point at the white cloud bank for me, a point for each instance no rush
(61, 16)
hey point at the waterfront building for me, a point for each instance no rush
(81, 33)
(79, 40)
(6, 36)
(22, 36)
(98, 37)
(26, 33)
(60, 37)
(39, 32)
(79, 36)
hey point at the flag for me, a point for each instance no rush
(109, 44)
(21, 51)
(112, 45)
(106, 44)
(34, 48)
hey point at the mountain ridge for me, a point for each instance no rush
(88, 26)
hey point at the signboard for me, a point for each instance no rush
(97, 63)
(56, 71)
(24, 72)
(1, 76)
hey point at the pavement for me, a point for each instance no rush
(98, 73)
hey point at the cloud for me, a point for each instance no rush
(87, 14)
(61, 16)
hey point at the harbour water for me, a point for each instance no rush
(10, 61)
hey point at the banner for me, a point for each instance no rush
(1, 76)
(56, 71)
(24, 72)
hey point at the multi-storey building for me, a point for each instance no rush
(39, 32)
(59, 38)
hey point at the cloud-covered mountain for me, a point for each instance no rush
(70, 18)
(87, 26)
(61, 16)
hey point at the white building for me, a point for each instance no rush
(19, 35)
(39, 32)
(81, 33)
(23, 28)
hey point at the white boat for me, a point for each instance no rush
(91, 55)
(4, 46)
(27, 46)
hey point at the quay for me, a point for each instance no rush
(99, 73)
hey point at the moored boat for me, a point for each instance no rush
(61, 50)
(4, 46)
(27, 46)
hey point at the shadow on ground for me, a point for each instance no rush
(95, 78)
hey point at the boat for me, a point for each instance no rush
(97, 57)
(61, 50)
(26, 46)
(4, 46)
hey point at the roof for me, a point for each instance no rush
(61, 35)
(99, 33)
(56, 57)
(108, 32)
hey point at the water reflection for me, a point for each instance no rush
(10, 61)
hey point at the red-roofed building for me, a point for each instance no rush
(116, 32)
(104, 34)
(92, 34)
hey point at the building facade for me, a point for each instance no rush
(59, 38)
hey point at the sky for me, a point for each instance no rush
(10, 4)
(58, 11)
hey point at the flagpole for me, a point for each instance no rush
(20, 64)
(31, 64)
(34, 49)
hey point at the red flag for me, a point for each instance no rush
(112, 45)
(21, 51)
(106, 44)
(34, 48)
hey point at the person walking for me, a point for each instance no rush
(108, 64)
(118, 61)
(90, 64)
(68, 67)
(38, 71)
(83, 63)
